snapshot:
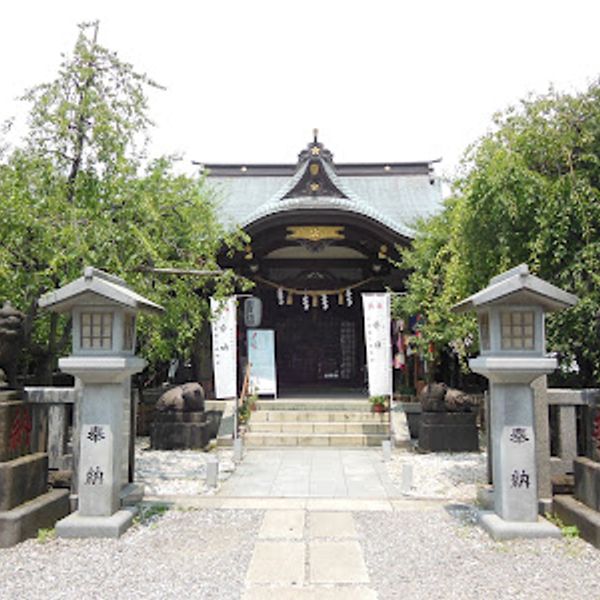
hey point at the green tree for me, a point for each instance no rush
(528, 192)
(81, 191)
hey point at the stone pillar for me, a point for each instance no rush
(542, 443)
(513, 462)
(103, 446)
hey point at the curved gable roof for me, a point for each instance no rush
(394, 195)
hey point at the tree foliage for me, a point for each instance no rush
(79, 191)
(528, 191)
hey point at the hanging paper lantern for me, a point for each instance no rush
(340, 298)
(349, 301)
(324, 302)
(315, 301)
(290, 299)
(280, 299)
(305, 302)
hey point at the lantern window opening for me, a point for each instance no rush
(96, 330)
(517, 330)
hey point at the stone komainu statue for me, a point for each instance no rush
(188, 397)
(438, 397)
(11, 342)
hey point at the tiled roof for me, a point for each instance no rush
(396, 198)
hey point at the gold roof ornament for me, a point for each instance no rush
(315, 233)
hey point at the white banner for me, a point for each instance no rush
(224, 341)
(261, 356)
(376, 310)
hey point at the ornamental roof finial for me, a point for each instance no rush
(315, 135)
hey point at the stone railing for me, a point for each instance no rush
(566, 403)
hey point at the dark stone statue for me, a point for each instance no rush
(448, 423)
(438, 397)
(11, 342)
(188, 397)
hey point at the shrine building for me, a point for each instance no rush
(321, 233)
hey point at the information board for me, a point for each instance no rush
(261, 356)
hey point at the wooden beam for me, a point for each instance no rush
(168, 271)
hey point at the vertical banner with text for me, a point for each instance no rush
(376, 310)
(224, 331)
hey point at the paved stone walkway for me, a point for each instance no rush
(311, 473)
(306, 550)
(307, 555)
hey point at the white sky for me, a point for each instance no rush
(383, 80)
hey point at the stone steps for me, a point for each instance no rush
(339, 422)
(260, 439)
(315, 404)
(317, 427)
(322, 416)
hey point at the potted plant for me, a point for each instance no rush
(379, 403)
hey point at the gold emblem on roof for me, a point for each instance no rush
(315, 233)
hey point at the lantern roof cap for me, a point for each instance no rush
(518, 286)
(95, 282)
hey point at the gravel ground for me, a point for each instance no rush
(197, 554)
(452, 476)
(174, 472)
(441, 554)
(436, 552)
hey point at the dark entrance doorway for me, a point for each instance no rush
(316, 347)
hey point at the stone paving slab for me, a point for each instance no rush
(331, 524)
(318, 504)
(288, 524)
(310, 593)
(336, 562)
(311, 473)
(277, 563)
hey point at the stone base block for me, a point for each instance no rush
(23, 479)
(572, 512)
(24, 521)
(499, 529)
(78, 526)
(131, 494)
(587, 482)
(485, 497)
(448, 432)
(179, 417)
(178, 436)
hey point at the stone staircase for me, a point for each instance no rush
(321, 422)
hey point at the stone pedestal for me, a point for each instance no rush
(179, 430)
(513, 452)
(513, 447)
(448, 432)
(103, 446)
(184, 430)
(26, 505)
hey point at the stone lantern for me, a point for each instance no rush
(103, 310)
(511, 314)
